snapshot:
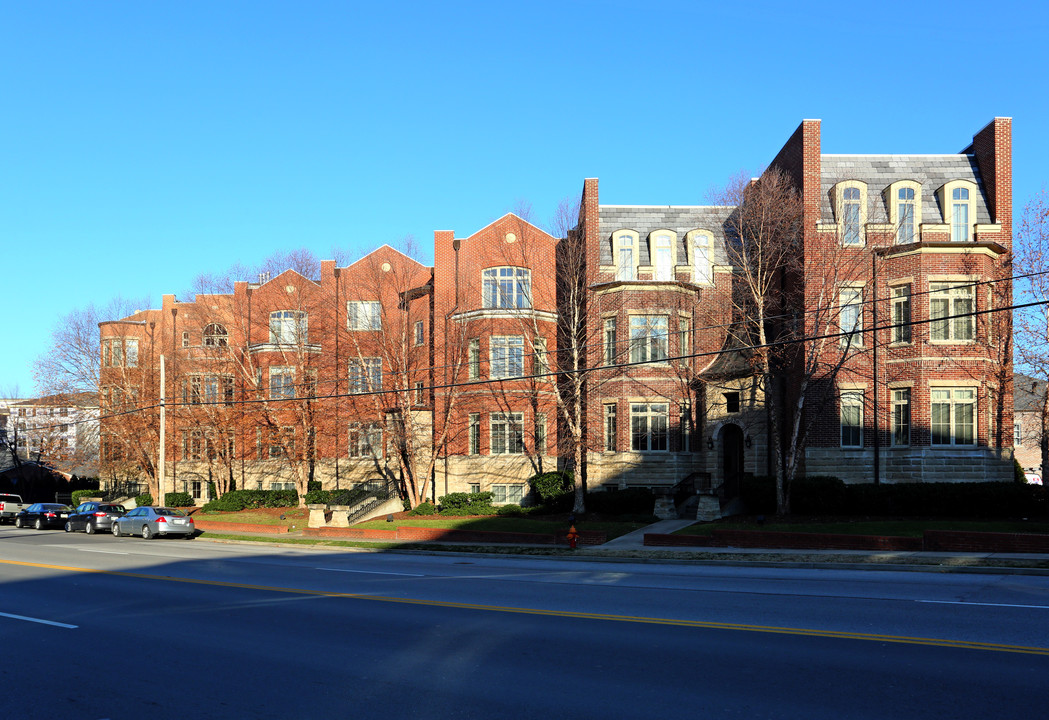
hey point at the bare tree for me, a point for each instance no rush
(1031, 324)
(795, 301)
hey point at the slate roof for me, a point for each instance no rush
(645, 219)
(880, 171)
(1028, 393)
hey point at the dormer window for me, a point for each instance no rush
(960, 215)
(852, 212)
(850, 207)
(905, 211)
(958, 199)
(702, 245)
(663, 257)
(625, 255)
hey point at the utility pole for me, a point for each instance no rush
(163, 418)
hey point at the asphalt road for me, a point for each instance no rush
(100, 627)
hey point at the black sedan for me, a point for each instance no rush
(93, 516)
(43, 515)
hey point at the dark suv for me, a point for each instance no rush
(92, 516)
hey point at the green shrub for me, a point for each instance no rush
(955, 500)
(178, 499)
(143, 499)
(79, 495)
(456, 500)
(511, 511)
(552, 488)
(424, 508)
(250, 499)
(759, 494)
(473, 509)
(312, 485)
(1019, 475)
(818, 495)
(631, 501)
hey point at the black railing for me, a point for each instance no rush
(121, 489)
(377, 495)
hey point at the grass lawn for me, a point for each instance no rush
(555, 524)
(888, 527)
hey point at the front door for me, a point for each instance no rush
(732, 460)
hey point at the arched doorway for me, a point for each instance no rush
(732, 460)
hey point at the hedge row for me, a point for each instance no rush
(249, 499)
(338, 497)
(830, 496)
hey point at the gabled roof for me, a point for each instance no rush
(1028, 393)
(508, 219)
(386, 248)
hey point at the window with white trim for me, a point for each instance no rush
(506, 356)
(540, 433)
(508, 493)
(901, 313)
(507, 433)
(625, 255)
(952, 416)
(365, 440)
(702, 259)
(850, 299)
(282, 383)
(363, 315)
(474, 434)
(541, 364)
(648, 338)
(648, 427)
(214, 335)
(473, 359)
(950, 311)
(901, 417)
(611, 428)
(288, 327)
(850, 217)
(365, 374)
(905, 202)
(960, 213)
(120, 352)
(850, 211)
(611, 353)
(507, 287)
(663, 257)
(852, 418)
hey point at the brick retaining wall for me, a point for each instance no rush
(933, 540)
(218, 526)
(423, 534)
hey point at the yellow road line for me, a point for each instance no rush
(701, 624)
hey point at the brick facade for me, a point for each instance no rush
(334, 379)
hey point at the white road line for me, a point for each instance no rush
(1001, 605)
(38, 620)
(106, 552)
(371, 572)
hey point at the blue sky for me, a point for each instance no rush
(142, 143)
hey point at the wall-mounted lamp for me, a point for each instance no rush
(710, 443)
(746, 440)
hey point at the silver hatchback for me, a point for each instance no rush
(149, 522)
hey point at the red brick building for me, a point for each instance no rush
(454, 376)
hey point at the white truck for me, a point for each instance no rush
(10, 505)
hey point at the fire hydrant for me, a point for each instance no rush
(572, 536)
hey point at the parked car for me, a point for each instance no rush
(42, 515)
(10, 505)
(92, 515)
(152, 521)
(1033, 478)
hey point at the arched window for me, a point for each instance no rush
(851, 216)
(663, 257)
(507, 287)
(215, 335)
(905, 212)
(960, 214)
(702, 257)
